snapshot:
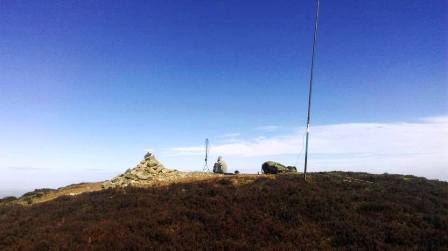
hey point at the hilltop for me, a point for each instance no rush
(148, 172)
(330, 210)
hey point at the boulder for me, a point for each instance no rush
(292, 168)
(220, 166)
(272, 167)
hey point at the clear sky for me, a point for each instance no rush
(87, 86)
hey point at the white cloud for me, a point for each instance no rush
(231, 135)
(437, 119)
(419, 148)
(189, 150)
(268, 128)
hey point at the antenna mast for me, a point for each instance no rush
(206, 156)
(316, 22)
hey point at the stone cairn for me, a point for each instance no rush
(148, 170)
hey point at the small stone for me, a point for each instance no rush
(152, 162)
(143, 176)
(148, 155)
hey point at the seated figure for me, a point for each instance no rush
(220, 166)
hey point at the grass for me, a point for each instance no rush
(46, 194)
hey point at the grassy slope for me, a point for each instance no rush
(44, 195)
(240, 212)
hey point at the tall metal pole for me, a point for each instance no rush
(316, 22)
(206, 155)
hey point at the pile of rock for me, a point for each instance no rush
(149, 169)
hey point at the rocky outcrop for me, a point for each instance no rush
(272, 167)
(220, 166)
(148, 170)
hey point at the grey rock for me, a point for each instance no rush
(272, 167)
(145, 171)
(220, 166)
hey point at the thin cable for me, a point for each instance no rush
(316, 22)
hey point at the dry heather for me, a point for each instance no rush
(244, 212)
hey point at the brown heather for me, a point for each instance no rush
(349, 211)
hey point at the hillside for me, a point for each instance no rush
(245, 212)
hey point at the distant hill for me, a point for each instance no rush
(11, 192)
(245, 212)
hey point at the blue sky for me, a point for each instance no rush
(87, 86)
